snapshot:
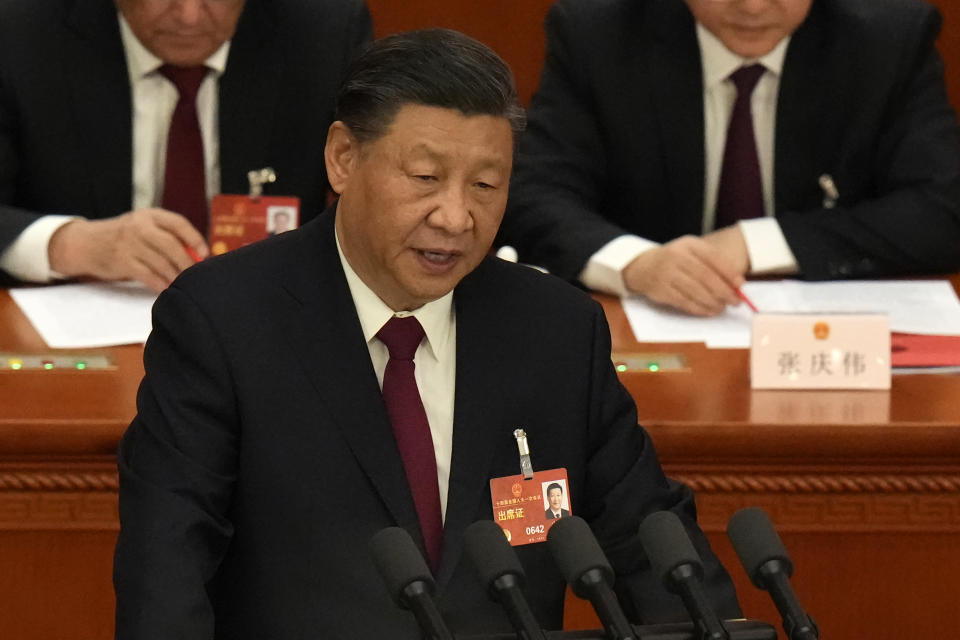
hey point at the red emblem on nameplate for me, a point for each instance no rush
(821, 330)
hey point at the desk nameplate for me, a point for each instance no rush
(820, 351)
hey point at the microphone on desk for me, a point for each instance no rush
(678, 565)
(500, 571)
(768, 564)
(408, 579)
(582, 562)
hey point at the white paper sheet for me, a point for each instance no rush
(97, 314)
(913, 306)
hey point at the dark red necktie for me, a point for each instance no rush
(184, 180)
(740, 194)
(410, 427)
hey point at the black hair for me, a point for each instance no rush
(552, 486)
(430, 67)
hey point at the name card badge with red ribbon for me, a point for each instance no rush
(526, 505)
(238, 220)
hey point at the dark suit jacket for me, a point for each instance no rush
(549, 514)
(262, 460)
(65, 106)
(615, 139)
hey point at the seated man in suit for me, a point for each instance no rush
(555, 498)
(105, 173)
(676, 146)
(368, 370)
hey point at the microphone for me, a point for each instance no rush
(585, 567)
(408, 579)
(768, 564)
(677, 564)
(499, 569)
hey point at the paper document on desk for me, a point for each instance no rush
(96, 314)
(653, 323)
(927, 307)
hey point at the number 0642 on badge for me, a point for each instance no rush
(526, 509)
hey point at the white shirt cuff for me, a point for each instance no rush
(27, 258)
(767, 247)
(604, 270)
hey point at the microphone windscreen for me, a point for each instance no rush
(668, 546)
(399, 562)
(756, 542)
(491, 554)
(576, 551)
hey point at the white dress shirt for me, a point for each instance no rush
(766, 245)
(153, 99)
(435, 362)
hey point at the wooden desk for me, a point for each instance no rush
(58, 488)
(864, 486)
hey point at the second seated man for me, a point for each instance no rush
(676, 147)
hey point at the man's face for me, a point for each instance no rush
(420, 206)
(750, 28)
(182, 32)
(281, 222)
(555, 496)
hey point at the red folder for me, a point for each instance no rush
(915, 350)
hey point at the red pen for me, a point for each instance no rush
(196, 256)
(743, 296)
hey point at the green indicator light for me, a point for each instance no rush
(16, 365)
(48, 365)
(621, 368)
(81, 366)
(653, 366)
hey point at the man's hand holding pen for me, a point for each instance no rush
(699, 276)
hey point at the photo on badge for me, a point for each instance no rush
(555, 500)
(280, 219)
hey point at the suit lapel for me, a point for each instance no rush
(95, 64)
(677, 82)
(478, 423)
(323, 326)
(802, 113)
(248, 93)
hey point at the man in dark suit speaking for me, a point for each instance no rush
(106, 173)
(368, 370)
(676, 146)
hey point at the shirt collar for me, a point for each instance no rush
(436, 317)
(141, 62)
(719, 62)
